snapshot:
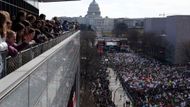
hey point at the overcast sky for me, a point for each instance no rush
(118, 8)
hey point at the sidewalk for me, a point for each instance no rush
(118, 95)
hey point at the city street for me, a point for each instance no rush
(118, 95)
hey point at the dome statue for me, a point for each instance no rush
(93, 10)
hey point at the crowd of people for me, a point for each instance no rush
(101, 90)
(151, 83)
(99, 87)
(26, 30)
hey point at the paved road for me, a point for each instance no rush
(118, 95)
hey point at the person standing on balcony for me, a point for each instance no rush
(31, 19)
(9, 22)
(27, 40)
(21, 16)
(11, 42)
(27, 25)
(42, 17)
(3, 44)
(65, 26)
(20, 29)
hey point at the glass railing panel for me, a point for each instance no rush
(63, 76)
(18, 97)
(38, 83)
(42, 102)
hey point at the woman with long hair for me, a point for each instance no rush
(3, 44)
(8, 18)
(3, 31)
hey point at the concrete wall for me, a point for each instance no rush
(171, 32)
(155, 25)
(182, 37)
(177, 30)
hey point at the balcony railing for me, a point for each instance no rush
(13, 63)
(46, 80)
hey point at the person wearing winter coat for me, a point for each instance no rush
(3, 44)
(11, 42)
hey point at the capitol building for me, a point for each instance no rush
(93, 11)
(103, 26)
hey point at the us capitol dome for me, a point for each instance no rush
(93, 10)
